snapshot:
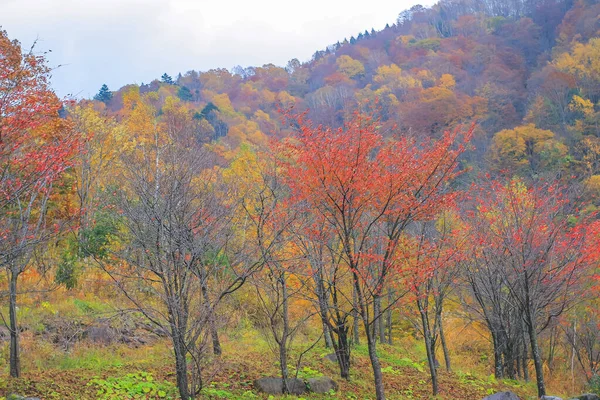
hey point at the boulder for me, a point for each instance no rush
(270, 385)
(588, 396)
(550, 398)
(18, 397)
(331, 357)
(322, 384)
(102, 334)
(502, 396)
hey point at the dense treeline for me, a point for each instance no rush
(449, 158)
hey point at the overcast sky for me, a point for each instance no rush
(133, 41)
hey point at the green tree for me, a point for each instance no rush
(166, 78)
(185, 94)
(104, 95)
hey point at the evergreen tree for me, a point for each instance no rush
(104, 95)
(352, 40)
(185, 94)
(167, 79)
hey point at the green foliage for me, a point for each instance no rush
(594, 384)
(96, 238)
(185, 94)
(139, 385)
(166, 78)
(428, 44)
(104, 95)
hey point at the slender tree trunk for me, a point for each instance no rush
(327, 335)
(537, 358)
(212, 324)
(371, 344)
(15, 359)
(498, 370)
(377, 375)
(355, 322)
(284, 337)
(444, 344)
(429, 348)
(376, 317)
(381, 324)
(525, 356)
(389, 316)
(323, 310)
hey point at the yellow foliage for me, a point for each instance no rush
(582, 105)
(526, 146)
(593, 184)
(349, 66)
(447, 81)
(583, 60)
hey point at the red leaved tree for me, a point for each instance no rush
(429, 256)
(36, 146)
(539, 248)
(369, 189)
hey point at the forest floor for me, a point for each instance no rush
(61, 362)
(119, 371)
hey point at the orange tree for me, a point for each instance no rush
(36, 147)
(536, 247)
(369, 189)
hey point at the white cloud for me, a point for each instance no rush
(126, 41)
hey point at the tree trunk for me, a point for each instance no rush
(327, 335)
(444, 345)
(15, 359)
(355, 323)
(429, 348)
(381, 324)
(181, 365)
(376, 317)
(537, 358)
(323, 310)
(212, 323)
(525, 357)
(498, 370)
(284, 336)
(389, 316)
(343, 353)
(375, 364)
(377, 375)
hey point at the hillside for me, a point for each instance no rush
(500, 65)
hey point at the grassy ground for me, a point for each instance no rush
(59, 364)
(111, 372)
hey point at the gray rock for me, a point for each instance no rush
(588, 396)
(18, 397)
(102, 334)
(331, 357)
(271, 385)
(502, 396)
(322, 384)
(550, 398)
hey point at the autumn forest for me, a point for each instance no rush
(410, 214)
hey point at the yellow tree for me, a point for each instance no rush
(526, 148)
